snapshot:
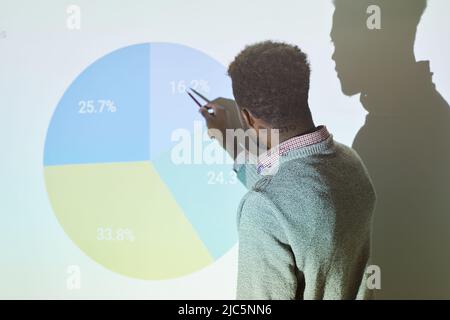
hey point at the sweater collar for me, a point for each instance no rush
(295, 146)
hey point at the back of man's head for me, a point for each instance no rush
(271, 80)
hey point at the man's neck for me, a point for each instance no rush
(294, 130)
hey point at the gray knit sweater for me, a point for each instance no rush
(304, 233)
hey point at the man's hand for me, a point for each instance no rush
(216, 120)
(217, 127)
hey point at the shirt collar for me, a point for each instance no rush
(268, 159)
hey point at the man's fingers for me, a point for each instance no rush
(218, 110)
(205, 113)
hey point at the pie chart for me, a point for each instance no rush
(110, 165)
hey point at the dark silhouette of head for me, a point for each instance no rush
(366, 56)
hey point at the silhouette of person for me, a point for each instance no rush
(404, 142)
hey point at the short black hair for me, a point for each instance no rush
(271, 80)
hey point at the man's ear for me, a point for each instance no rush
(248, 118)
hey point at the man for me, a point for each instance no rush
(304, 232)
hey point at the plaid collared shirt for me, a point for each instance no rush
(267, 160)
